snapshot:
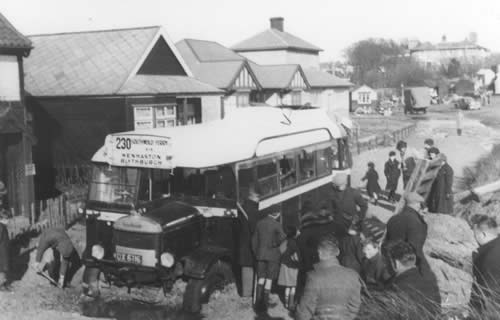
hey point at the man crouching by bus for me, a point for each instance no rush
(349, 207)
(54, 243)
(266, 242)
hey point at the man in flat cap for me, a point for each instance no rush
(348, 206)
(409, 225)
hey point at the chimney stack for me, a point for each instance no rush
(443, 38)
(277, 23)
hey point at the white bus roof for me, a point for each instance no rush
(241, 135)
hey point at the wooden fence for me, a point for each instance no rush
(55, 212)
(359, 145)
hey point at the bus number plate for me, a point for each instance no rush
(129, 258)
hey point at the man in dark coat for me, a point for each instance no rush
(56, 242)
(486, 266)
(349, 207)
(4, 249)
(410, 226)
(266, 242)
(331, 291)
(441, 195)
(420, 296)
(408, 162)
(392, 173)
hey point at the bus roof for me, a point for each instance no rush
(241, 135)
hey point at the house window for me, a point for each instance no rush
(154, 116)
(364, 97)
(242, 100)
(9, 79)
(296, 98)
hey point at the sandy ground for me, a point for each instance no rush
(34, 298)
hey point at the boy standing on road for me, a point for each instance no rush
(266, 242)
(392, 173)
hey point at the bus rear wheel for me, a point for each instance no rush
(198, 291)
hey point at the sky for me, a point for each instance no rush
(332, 25)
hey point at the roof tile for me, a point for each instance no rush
(272, 39)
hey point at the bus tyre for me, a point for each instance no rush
(198, 291)
(90, 283)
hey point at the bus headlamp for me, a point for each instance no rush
(97, 251)
(167, 260)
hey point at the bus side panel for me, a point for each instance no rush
(290, 216)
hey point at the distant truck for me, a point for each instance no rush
(417, 99)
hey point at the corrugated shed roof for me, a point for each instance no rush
(147, 84)
(272, 39)
(85, 63)
(274, 76)
(10, 38)
(320, 79)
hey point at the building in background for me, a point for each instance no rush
(85, 85)
(16, 139)
(275, 46)
(363, 96)
(436, 54)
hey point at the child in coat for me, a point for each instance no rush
(392, 173)
(290, 267)
(266, 241)
(4, 249)
(374, 271)
(372, 186)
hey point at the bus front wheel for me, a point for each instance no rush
(198, 291)
(90, 283)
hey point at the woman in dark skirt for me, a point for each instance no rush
(372, 186)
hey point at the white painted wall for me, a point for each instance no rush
(9, 79)
(210, 108)
(266, 57)
(334, 101)
(306, 60)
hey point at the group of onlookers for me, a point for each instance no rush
(441, 196)
(343, 261)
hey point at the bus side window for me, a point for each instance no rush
(307, 165)
(246, 185)
(323, 161)
(267, 177)
(336, 161)
(288, 175)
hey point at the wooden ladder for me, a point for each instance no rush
(421, 180)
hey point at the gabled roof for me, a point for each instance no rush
(273, 39)
(276, 76)
(10, 38)
(364, 88)
(320, 79)
(101, 63)
(208, 51)
(211, 62)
